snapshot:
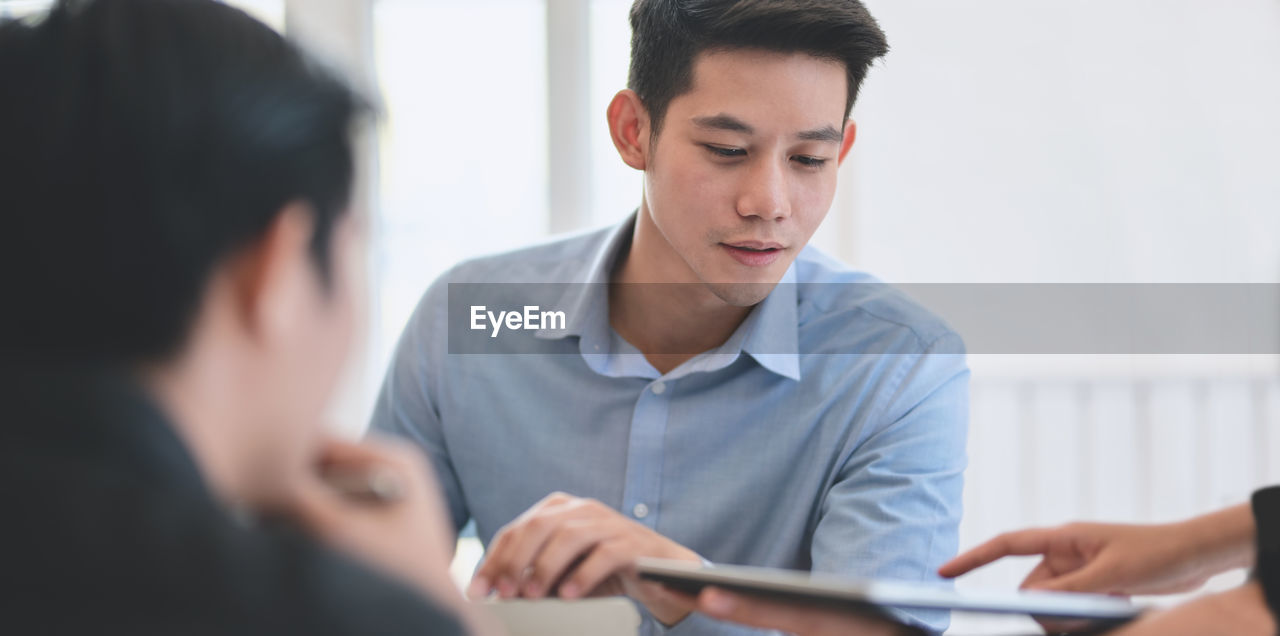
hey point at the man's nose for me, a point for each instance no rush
(764, 192)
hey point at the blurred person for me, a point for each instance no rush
(721, 390)
(179, 296)
(1100, 558)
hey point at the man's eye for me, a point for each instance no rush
(809, 162)
(722, 151)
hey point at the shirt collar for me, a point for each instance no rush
(773, 329)
(769, 334)
(586, 302)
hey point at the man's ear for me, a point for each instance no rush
(273, 276)
(850, 133)
(629, 128)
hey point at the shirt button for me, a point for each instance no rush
(640, 511)
(658, 389)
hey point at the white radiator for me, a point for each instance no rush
(1152, 442)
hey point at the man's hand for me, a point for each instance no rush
(408, 538)
(572, 547)
(794, 618)
(1121, 559)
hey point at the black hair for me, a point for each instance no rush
(142, 143)
(668, 35)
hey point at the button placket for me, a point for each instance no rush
(645, 453)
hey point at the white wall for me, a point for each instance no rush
(1093, 140)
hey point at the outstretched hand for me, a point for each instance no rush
(1098, 558)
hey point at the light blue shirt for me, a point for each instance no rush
(827, 434)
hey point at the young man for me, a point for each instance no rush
(178, 298)
(718, 390)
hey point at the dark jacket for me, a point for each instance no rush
(108, 527)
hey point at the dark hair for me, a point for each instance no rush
(145, 142)
(668, 35)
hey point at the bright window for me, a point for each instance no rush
(463, 147)
(615, 186)
(22, 8)
(269, 11)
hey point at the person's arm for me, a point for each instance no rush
(1239, 612)
(406, 406)
(894, 511)
(1124, 559)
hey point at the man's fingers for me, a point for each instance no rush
(394, 469)
(369, 451)
(1021, 543)
(566, 545)
(314, 505)
(505, 564)
(1091, 579)
(514, 549)
(312, 501)
(479, 587)
(1038, 575)
(602, 563)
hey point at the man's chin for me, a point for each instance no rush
(743, 294)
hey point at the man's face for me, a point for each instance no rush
(307, 357)
(744, 167)
(335, 310)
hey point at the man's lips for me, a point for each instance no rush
(758, 246)
(753, 253)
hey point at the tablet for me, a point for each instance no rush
(791, 585)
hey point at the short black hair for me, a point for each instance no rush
(142, 143)
(668, 35)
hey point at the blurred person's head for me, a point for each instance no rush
(175, 180)
(737, 112)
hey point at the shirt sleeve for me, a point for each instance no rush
(1266, 516)
(893, 510)
(407, 406)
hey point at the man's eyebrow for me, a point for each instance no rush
(826, 133)
(723, 122)
(733, 124)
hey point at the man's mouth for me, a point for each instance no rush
(755, 246)
(753, 253)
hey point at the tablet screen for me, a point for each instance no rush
(862, 595)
